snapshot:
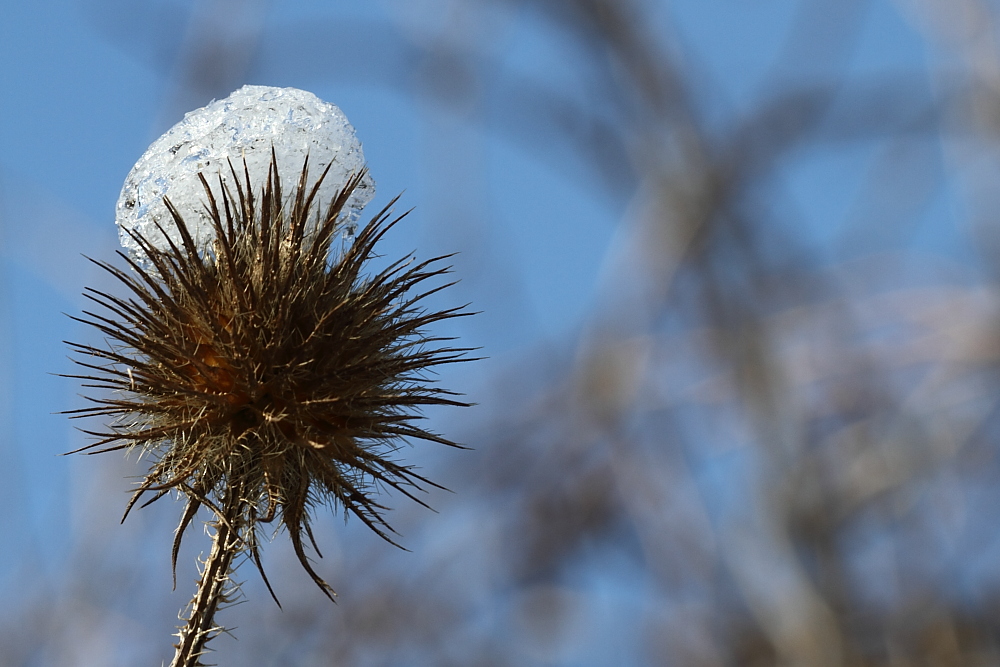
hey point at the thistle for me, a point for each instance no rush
(266, 374)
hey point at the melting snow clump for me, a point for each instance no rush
(245, 125)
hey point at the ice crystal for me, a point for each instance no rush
(240, 129)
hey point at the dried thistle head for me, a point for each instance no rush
(269, 374)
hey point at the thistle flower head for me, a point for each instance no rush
(268, 373)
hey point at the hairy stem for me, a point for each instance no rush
(213, 588)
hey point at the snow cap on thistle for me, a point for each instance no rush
(242, 128)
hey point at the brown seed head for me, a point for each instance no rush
(269, 371)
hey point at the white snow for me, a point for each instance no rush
(244, 125)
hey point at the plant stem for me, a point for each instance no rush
(212, 591)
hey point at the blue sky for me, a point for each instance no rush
(88, 85)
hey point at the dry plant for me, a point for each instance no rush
(267, 377)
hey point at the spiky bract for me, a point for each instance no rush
(269, 373)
